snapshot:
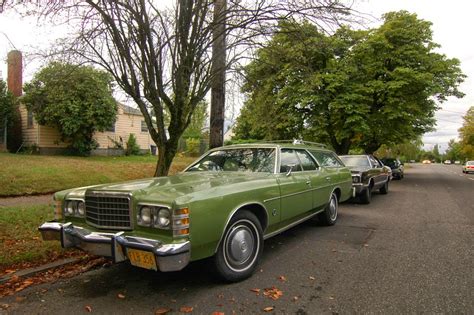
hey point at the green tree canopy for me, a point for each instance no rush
(466, 133)
(7, 104)
(77, 100)
(350, 89)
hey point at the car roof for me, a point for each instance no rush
(278, 144)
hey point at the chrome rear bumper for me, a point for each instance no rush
(169, 257)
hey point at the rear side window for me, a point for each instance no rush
(327, 159)
(289, 160)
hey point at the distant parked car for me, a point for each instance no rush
(426, 162)
(368, 174)
(447, 162)
(468, 167)
(457, 162)
(396, 166)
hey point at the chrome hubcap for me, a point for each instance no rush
(240, 245)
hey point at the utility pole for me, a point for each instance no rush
(216, 132)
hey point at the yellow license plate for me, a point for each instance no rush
(141, 259)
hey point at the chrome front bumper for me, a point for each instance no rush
(358, 188)
(169, 257)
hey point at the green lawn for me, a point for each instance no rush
(20, 241)
(36, 174)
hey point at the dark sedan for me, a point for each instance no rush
(368, 174)
(396, 166)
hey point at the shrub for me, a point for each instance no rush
(132, 145)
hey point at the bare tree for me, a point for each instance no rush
(162, 56)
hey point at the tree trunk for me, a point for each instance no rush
(166, 154)
(216, 132)
(343, 147)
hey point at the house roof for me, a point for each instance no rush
(130, 110)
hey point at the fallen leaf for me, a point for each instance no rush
(331, 298)
(273, 293)
(366, 245)
(20, 298)
(88, 309)
(4, 306)
(220, 296)
(10, 271)
(282, 278)
(295, 298)
(268, 309)
(186, 309)
(162, 311)
(334, 250)
(256, 290)
(217, 313)
(312, 278)
(121, 296)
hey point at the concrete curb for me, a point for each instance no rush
(32, 271)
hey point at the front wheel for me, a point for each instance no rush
(384, 189)
(366, 195)
(329, 215)
(240, 248)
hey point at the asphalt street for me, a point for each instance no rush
(410, 251)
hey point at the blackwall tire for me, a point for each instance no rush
(329, 215)
(366, 196)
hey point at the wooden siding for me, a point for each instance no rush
(48, 137)
(124, 126)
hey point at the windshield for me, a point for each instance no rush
(470, 163)
(390, 162)
(237, 160)
(355, 160)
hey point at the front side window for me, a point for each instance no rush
(237, 160)
(289, 160)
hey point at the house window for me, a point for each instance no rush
(144, 126)
(29, 120)
(111, 128)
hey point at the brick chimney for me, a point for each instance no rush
(15, 72)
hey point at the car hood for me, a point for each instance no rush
(167, 189)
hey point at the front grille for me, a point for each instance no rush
(108, 211)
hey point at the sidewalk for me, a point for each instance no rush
(26, 200)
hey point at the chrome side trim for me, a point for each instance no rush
(311, 189)
(289, 226)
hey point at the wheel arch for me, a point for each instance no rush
(256, 208)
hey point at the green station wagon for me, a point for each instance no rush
(222, 206)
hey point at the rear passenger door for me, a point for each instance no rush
(330, 167)
(295, 186)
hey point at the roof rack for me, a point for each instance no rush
(294, 142)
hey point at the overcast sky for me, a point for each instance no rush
(451, 20)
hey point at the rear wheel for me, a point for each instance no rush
(329, 215)
(240, 247)
(366, 195)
